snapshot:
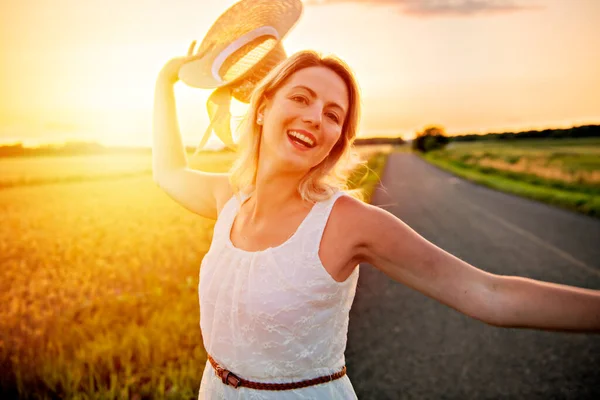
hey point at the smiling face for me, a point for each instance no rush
(305, 118)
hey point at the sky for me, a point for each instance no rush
(85, 70)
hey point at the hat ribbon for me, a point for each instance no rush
(218, 107)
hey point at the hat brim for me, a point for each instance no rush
(245, 21)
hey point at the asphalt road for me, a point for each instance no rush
(405, 345)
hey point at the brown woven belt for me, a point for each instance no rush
(229, 378)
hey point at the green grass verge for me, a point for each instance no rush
(578, 187)
(585, 203)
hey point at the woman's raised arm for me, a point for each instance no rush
(197, 191)
(168, 151)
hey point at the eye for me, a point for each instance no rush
(333, 116)
(300, 99)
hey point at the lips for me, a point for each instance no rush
(307, 134)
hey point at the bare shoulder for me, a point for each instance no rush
(362, 224)
(343, 216)
(342, 240)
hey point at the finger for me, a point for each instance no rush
(191, 49)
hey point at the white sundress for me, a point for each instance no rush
(274, 315)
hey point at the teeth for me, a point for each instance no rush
(300, 136)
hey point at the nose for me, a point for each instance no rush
(313, 115)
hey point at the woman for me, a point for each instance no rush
(279, 279)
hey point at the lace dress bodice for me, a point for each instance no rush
(274, 315)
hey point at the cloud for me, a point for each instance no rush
(428, 8)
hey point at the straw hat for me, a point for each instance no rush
(240, 49)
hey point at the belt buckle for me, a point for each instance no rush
(226, 375)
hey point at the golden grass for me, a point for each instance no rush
(549, 160)
(540, 167)
(92, 273)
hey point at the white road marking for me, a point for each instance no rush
(534, 239)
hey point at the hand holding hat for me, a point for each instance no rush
(170, 71)
(239, 50)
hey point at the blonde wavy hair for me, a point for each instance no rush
(333, 172)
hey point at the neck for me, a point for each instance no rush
(275, 192)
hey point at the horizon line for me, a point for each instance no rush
(383, 134)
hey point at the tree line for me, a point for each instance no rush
(435, 137)
(575, 132)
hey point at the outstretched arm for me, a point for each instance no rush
(527, 303)
(393, 247)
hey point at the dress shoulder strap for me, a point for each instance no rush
(234, 203)
(316, 221)
(227, 213)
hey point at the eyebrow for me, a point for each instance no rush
(314, 94)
